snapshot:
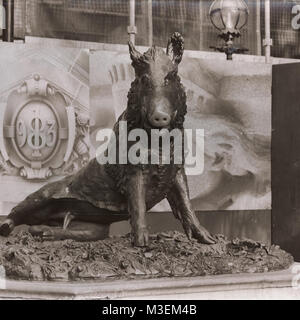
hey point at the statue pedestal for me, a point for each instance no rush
(272, 285)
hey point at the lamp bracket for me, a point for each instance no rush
(229, 50)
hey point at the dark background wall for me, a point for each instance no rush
(286, 158)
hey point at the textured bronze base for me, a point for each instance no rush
(170, 254)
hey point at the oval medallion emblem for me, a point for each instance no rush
(36, 133)
(43, 135)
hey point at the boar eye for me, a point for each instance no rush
(146, 82)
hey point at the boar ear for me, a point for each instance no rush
(134, 54)
(175, 47)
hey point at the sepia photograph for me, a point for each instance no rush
(149, 151)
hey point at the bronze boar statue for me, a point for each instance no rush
(84, 205)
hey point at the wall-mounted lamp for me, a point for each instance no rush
(229, 16)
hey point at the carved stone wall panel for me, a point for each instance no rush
(44, 116)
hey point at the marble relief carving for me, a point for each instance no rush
(44, 131)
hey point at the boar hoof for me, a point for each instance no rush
(141, 238)
(6, 227)
(203, 236)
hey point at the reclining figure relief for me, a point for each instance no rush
(83, 206)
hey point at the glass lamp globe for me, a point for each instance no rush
(229, 16)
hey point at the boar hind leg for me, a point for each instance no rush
(28, 212)
(77, 230)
